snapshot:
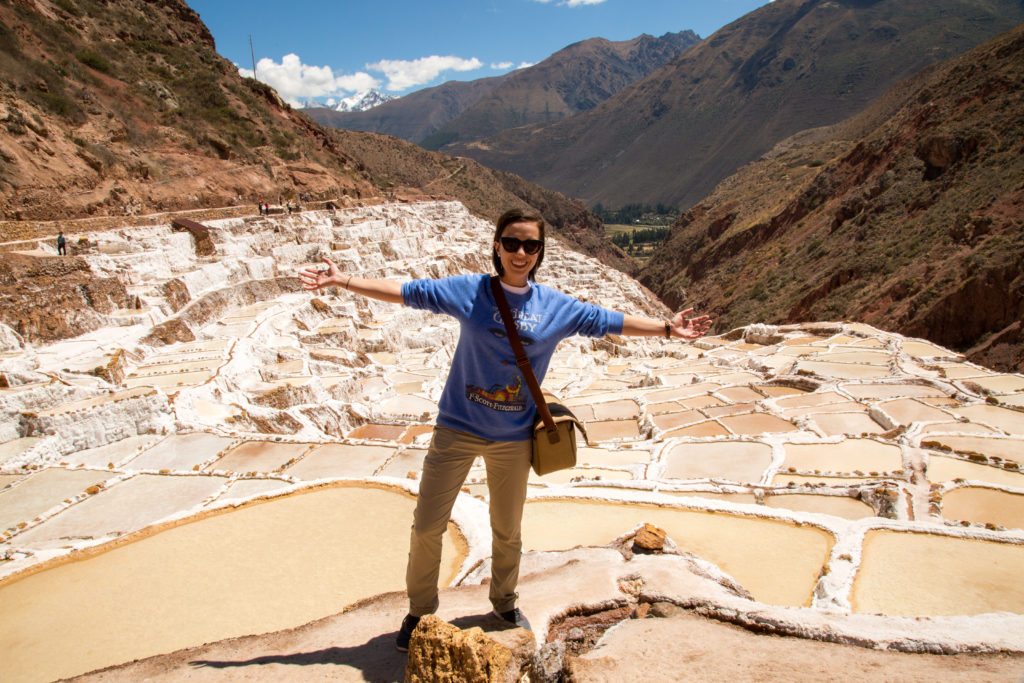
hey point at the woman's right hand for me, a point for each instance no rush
(317, 278)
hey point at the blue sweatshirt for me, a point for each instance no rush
(486, 394)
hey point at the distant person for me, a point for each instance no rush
(62, 244)
(484, 409)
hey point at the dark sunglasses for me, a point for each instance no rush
(512, 244)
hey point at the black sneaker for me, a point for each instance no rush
(405, 633)
(514, 617)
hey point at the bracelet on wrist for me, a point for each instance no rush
(668, 330)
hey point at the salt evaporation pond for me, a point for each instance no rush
(919, 574)
(819, 464)
(263, 567)
(777, 561)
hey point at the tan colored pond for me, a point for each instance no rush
(757, 423)
(839, 424)
(865, 357)
(1001, 384)
(181, 452)
(706, 401)
(957, 427)
(926, 350)
(1010, 421)
(678, 419)
(780, 391)
(678, 393)
(838, 506)
(844, 407)
(738, 461)
(778, 562)
(377, 432)
(941, 468)
(702, 429)
(735, 409)
(843, 370)
(897, 390)
(155, 369)
(977, 504)
(169, 381)
(866, 455)
(809, 400)
(42, 491)
(258, 456)
(611, 457)
(740, 394)
(613, 430)
(260, 568)
(340, 460)
(917, 574)
(906, 410)
(616, 410)
(963, 371)
(1008, 449)
(1014, 400)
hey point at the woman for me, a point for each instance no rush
(485, 409)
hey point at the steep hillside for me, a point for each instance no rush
(909, 217)
(573, 80)
(118, 107)
(786, 67)
(125, 107)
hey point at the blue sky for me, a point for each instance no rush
(319, 49)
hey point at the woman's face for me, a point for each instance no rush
(518, 264)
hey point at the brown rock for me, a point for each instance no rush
(441, 652)
(649, 539)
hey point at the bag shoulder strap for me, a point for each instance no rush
(521, 360)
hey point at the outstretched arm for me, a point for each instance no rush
(680, 326)
(313, 279)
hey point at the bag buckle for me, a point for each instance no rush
(553, 435)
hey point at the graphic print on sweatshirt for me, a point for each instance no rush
(511, 396)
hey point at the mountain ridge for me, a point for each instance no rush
(573, 79)
(788, 66)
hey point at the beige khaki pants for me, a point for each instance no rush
(445, 468)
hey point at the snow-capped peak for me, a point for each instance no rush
(362, 101)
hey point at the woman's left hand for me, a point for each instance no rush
(690, 328)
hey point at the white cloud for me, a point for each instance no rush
(525, 65)
(403, 74)
(501, 65)
(296, 82)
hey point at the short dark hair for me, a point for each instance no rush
(518, 216)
